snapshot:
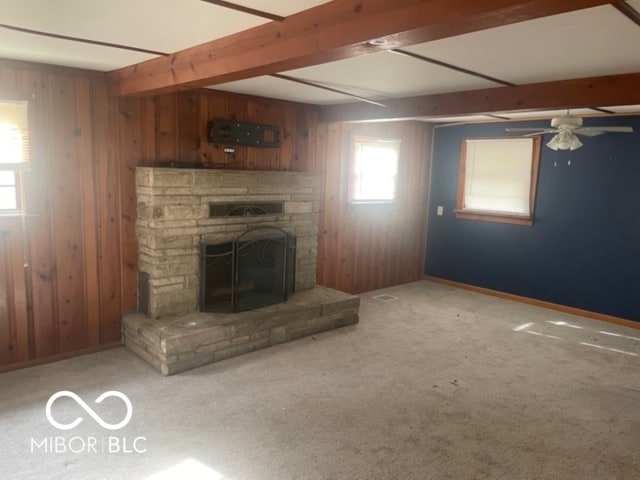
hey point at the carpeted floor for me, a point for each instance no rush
(437, 383)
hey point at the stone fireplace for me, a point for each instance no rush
(177, 212)
(210, 239)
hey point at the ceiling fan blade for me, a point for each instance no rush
(588, 132)
(593, 131)
(609, 129)
(529, 129)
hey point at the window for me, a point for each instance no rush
(14, 151)
(8, 191)
(497, 179)
(373, 170)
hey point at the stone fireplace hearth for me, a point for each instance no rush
(178, 210)
(180, 213)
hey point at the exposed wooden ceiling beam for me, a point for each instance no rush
(331, 31)
(577, 93)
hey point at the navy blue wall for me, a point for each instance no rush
(584, 247)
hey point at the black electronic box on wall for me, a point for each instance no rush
(243, 133)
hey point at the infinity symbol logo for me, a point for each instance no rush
(89, 410)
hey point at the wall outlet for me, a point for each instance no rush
(440, 210)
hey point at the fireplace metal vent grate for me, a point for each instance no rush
(248, 209)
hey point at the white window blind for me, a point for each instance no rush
(498, 175)
(14, 135)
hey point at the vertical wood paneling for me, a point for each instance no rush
(14, 339)
(85, 155)
(321, 133)
(188, 118)
(106, 150)
(79, 233)
(80, 236)
(131, 152)
(329, 135)
(39, 225)
(7, 311)
(73, 279)
(67, 214)
(166, 128)
(366, 247)
(148, 129)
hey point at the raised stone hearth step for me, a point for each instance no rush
(180, 343)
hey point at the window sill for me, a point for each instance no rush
(498, 217)
(8, 214)
(372, 202)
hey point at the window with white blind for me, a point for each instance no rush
(373, 170)
(497, 179)
(14, 151)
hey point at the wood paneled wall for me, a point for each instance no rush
(68, 268)
(13, 309)
(366, 247)
(64, 293)
(172, 128)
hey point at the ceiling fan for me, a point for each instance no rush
(566, 129)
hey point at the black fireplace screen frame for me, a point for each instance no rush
(250, 285)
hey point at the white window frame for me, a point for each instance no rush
(15, 186)
(365, 172)
(14, 147)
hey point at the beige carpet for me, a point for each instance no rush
(436, 384)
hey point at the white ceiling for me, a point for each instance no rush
(596, 41)
(585, 43)
(375, 76)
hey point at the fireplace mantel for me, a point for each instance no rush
(174, 218)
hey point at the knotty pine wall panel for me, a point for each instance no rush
(66, 154)
(67, 290)
(366, 247)
(14, 339)
(79, 235)
(187, 113)
(63, 261)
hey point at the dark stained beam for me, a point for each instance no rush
(243, 9)
(331, 31)
(564, 94)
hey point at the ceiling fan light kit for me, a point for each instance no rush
(566, 129)
(564, 141)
